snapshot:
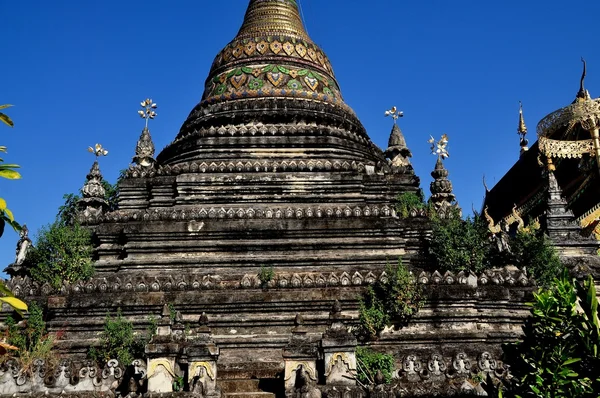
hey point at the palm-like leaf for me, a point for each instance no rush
(6, 120)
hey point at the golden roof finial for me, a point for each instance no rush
(583, 93)
(522, 130)
(147, 111)
(394, 113)
(98, 150)
(439, 148)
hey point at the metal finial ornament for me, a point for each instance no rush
(147, 111)
(522, 130)
(583, 93)
(394, 113)
(98, 150)
(439, 148)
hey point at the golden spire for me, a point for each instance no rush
(274, 17)
(522, 130)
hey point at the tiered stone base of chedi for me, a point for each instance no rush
(270, 332)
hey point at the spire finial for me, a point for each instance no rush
(583, 93)
(522, 130)
(98, 150)
(394, 113)
(147, 111)
(439, 148)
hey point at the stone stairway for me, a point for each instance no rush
(242, 388)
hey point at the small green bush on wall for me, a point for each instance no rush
(369, 362)
(389, 301)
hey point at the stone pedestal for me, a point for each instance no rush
(339, 351)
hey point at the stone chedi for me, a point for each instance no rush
(272, 169)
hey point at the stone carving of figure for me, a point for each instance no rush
(502, 238)
(23, 246)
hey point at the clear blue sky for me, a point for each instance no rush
(76, 71)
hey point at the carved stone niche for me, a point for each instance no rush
(339, 350)
(300, 358)
(202, 354)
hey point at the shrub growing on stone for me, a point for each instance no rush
(407, 201)
(390, 301)
(61, 253)
(369, 362)
(118, 341)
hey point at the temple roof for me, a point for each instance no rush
(271, 73)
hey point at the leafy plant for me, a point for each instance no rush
(532, 249)
(393, 300)
(4, 117)
(559, 355)
(407, 201)
(172, 312)
(369, 362)
(30, 338)
(266, 274)
(67, 213)
(117, 342)
(7, 171)
(62, 253)
(178, 383)
(460, 245)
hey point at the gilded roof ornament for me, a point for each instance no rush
(98, 150)
(394, 113)
(522, 130)
(147, 112)
(439, 148)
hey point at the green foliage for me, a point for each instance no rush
(394, 300)
(172, 311)
(466, 245)
(117, 342)
(369, 362)
(178, 383)
(532, 249)
(7, 171)
(4, 117)
(67, 213)
(62, 253)
(407, 201)
(266, 274)
(460, 245)
(30, 337)
(559, 355)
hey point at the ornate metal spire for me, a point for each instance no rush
(278, 17)
(442, 198)
(147, 112)
(522, 130)
(144, 150)
(397, 151)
